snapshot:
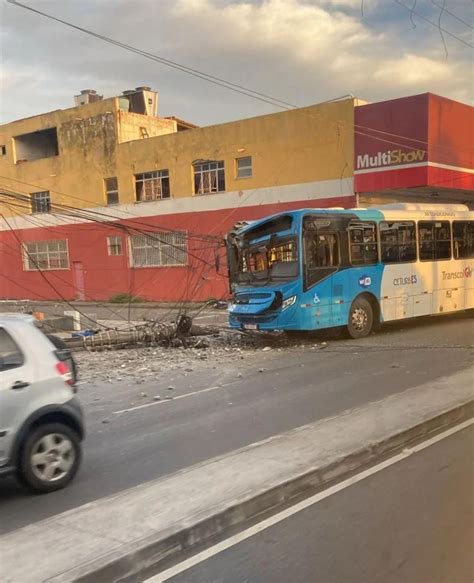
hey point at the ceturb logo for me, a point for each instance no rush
(407, 280)
(389, 158)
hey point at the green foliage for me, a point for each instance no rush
(124, 298)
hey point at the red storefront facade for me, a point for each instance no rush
(416, 148)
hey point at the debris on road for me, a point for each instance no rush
(141, 363)
(151, 333)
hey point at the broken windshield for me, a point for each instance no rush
(276, 259)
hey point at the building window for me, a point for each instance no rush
(244, 167)
(40, 202)
(114, 246)
(111, 190)
(434, 239)
(209, 177)
(152, 185)
(363, 243)
(45, 255)
(3, 150)
(397, 242)
(463, 239)
(159, 249)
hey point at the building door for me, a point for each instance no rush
(79, 283)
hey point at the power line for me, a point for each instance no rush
(186, 293)
(452, 14)
(137, 220)
(437, 26)
(173, 64)
(91, 216)
(40, 271)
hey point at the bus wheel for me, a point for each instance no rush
(361, 318)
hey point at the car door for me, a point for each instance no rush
(15, 382)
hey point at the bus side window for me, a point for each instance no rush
(434, 240)
(398, 242)
(463, 239)
(363, 243)
(321, 255)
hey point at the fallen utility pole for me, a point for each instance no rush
(149, 333)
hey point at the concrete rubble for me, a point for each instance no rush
(138, 364)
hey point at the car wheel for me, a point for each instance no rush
(50, 457)
(361, 318)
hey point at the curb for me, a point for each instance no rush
(143, 557)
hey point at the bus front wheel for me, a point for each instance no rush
(361, 318)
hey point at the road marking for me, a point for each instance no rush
(280, 516)
(163, 401)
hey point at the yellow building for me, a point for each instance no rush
(82, 188)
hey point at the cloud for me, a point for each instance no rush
(301, 51)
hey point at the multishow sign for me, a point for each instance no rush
(389, 158)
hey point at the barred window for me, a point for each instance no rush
(209, 177)
(152, 185)
(159, 249)
(40, 202)
(45, 255)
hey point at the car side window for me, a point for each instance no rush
(10, 355)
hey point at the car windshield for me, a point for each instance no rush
(275, 259)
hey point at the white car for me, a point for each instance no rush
(41, 420)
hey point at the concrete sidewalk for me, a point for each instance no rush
(117, 537)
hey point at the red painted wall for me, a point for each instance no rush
(440, 128)
(205, 277)
(450, 136)
(450, 132)
(399, 124)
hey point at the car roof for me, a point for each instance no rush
(12, 318)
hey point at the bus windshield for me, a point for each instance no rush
(272, 260)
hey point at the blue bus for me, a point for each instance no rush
(313, 269)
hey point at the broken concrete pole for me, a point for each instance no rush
(152, 332)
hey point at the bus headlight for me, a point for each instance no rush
(288, 302)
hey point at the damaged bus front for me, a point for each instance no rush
(264, 266)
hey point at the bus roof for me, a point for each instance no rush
(400, 211)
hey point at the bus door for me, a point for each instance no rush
(321, 263)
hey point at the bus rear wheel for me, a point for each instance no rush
(361, 318)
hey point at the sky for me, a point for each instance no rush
(299, 51)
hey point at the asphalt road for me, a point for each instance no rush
(215, 410)
(412, 522)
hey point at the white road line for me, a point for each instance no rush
(162, 402)
(253, 530)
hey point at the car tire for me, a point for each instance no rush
(361, 318)
(50, 457)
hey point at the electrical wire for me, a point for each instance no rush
(437, 26)
(173, 64)
(458, 18)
